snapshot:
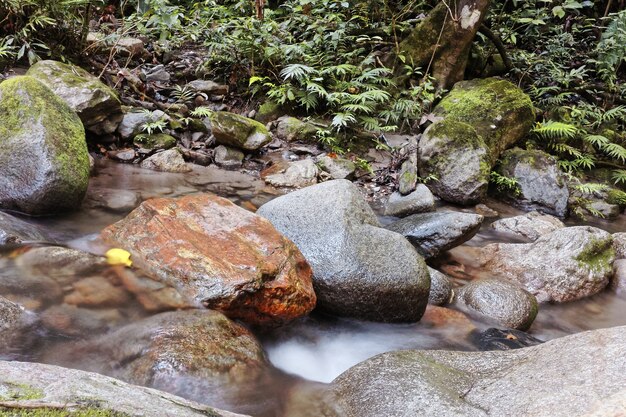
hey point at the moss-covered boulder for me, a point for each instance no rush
(457, 156)
(268, 112)
(500, 112)
(96, 104)
(292, 129)
(154, 141)
(238, 131)
(540, 183)
(44, 164)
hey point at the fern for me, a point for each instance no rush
(619, 176)
(615, 151)
(504, 184)
(201, 112)
(591, 188)
(296, 72)
(555, 130)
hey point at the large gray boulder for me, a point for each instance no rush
(44, 164)
(540, 183)
(96, 104)
(565, 265)
(579, 375)
(457, 156)
(499, 300)
(359, 269)
(434, 233)
(69, 391)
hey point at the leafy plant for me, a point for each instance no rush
(504, 184)
(201, 112)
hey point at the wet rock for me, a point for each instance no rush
(155, 141)
(440, 288)
(541, 185)
(166, 161)
(619, 244)
(16, 230)
(618, 281)
(496, 339)
(603, 209)
(360, 270)
(228, 157)
(296, 174)
(74, 321)
(502, 301)
(92, 100)
(225, 257)
(530, 226)
(486, 211)
(119, 201)
(231, 129)
(565, 265)
(457, 156)
(44, 164)
(408, 171)
(133, 121)
(589, 366)
(419, 201)
(209, 87)
(292, 129)
(14, 321)
(438, 316)
(500, 112)
(123, 155)
(97, 292)
(158, 74)
(337, 168)
(434, 233)
(107, 396)
(181, 352)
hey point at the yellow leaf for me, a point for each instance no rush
(117, 256)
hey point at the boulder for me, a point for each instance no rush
(69, 392)
(231, 129)
(224, 257)
(208, 86)
(228, 157)
(268, 112)
(360, 270)
(155, 141)
(296, 174)
(13, 322)
(578, 375)
(441, 291)
(565, 265)
(529, 226)
(434, 233)
(133, 121)
(16, 230)
(499, 300)
(457, 156)
(500, 112)
(618, 281)
(540, 183)
(337, 168)
(419, 201)
(96, 104)
(115, 200)
(295, 130)
(619, 244)
(407, 180)
(44, 164)
(166, 161)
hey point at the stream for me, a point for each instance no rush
(312, 350)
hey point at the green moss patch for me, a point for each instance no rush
(597, 255)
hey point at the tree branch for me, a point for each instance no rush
(498, 44)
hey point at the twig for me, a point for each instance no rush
(498, 44)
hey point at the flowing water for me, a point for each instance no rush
(313, 349)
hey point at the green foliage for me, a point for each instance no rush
(504, 184)
(611, 50)
(153, 125)
(201, 112)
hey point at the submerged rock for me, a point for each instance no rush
(95, 103)
(496, 339)
(565, 265)
(166, 161)
(119, 201)
(501, 301)
(231, 129)
(457, 156)
(219, 255)
(44, 164)
(47, 384)
(13, 323)
(540, 183)
(578, 375)
(434, 233)
(530, 226)
(16, 230)
(360, 270)
(419, 201)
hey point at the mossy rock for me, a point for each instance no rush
(500, 112)
(92, 100)
(457, 156)
(238, 131)
(292, 129)
(154, 141)
(44, 164)
(268, 112)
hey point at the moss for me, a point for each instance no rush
(268, 112)
(154, 141)
(235, 130)
(460, 135)
(56, 412)
(12, 391)
(420, 45)
(617, 197)
(197, 125)
(597, 255)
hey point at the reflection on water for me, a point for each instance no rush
(316, 348)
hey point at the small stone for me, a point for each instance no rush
(438, 316)
(502, 301)
(209, 87)
(133, 121)
(124, 155)
(297, 174)
(158, 74)
(71, 320)
(486, 211)
(166, 161)
(119, 201)
(155, 141)
(407, 180)
(292, 129)
(129, 46)
(228, 158)
(440, 288)
(419, 201)
(604, 209)
(338, 168)
(16, 230)
(97, 292)
(232, 129)
(530, 226)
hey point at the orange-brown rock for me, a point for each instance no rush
(219, 255)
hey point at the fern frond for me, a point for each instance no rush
(555, 130)
(615, 151)
(296, 72)
(619, 176)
